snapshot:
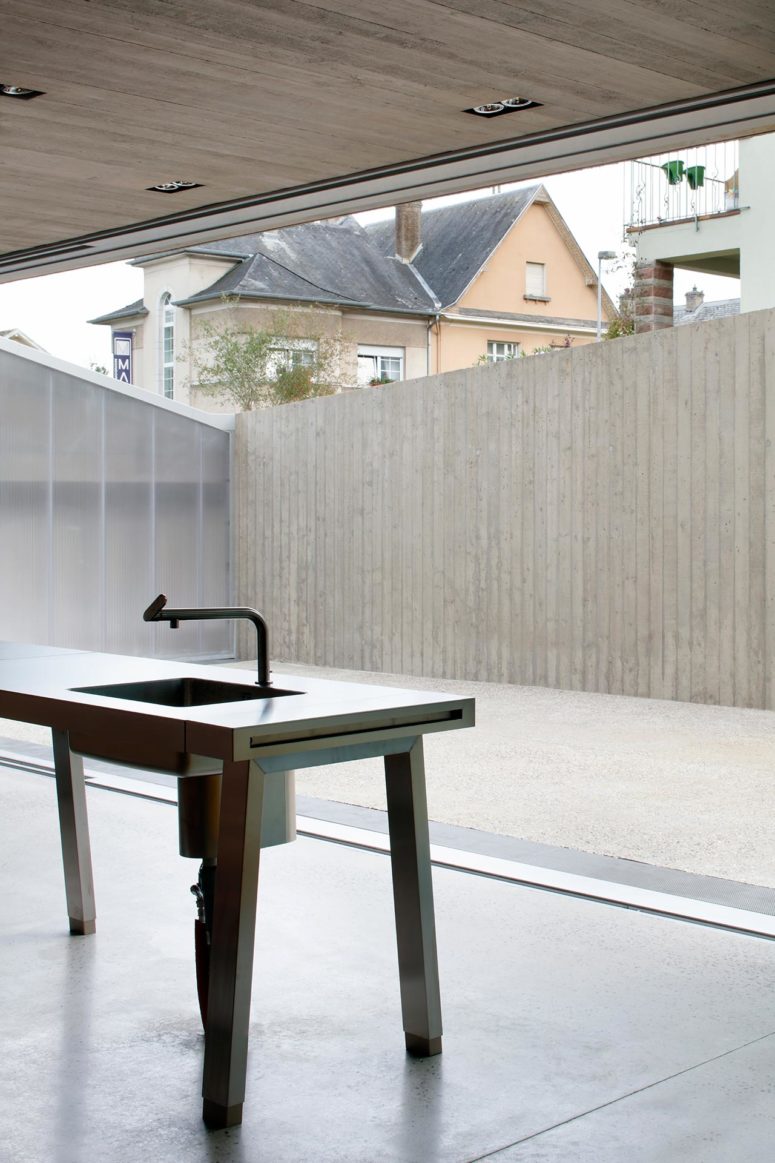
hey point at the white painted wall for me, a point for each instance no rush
(757, 223)
(181, 275)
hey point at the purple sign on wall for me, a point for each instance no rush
(122, 356)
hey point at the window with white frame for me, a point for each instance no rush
(297, 353)
(535, 280)
(497, 351)
(167, 344)
(379, 364)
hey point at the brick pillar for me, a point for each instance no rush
(653, 296)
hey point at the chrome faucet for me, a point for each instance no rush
(156, 612)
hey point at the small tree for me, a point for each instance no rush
(624, 322)
(250, 367)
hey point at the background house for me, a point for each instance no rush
(706, 210)
(434, 290)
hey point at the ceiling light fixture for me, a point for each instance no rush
(505, 105)
(173, 187)
(19, 93)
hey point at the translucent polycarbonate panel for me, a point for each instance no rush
(216, 533)
(129, 524)
(178, 527)
(78, 527)
(25, 400)
(106, 501)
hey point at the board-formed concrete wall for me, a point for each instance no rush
(600, 519)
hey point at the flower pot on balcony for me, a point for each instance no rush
(695, 176)
(674, 171)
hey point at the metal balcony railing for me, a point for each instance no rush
(682, 185)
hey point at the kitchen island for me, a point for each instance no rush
(159, 715)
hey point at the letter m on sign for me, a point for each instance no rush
(122, 356)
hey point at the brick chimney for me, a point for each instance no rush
(408, 232)
(694, 299)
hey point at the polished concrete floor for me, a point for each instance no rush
(573, 1031)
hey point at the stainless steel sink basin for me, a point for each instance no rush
(184, 692)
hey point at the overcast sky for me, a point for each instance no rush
(53, 310)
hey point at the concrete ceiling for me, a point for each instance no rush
(286, 111)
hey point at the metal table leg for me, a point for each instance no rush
(413, 897)
(231, 954)
(74, 832)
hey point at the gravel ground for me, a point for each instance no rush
(674, 784)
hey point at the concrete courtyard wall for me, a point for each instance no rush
(599, 519)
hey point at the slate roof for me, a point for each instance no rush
(131, 311)
(320, 262)
(348, 264)
(457, 240)
(720, 309)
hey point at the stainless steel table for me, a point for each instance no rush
(256, 740)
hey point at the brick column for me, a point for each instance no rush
(653, 296)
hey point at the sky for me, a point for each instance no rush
(53, 310)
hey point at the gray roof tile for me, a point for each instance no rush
(719, 309)
(344, 263)
(129, 312)
(458, 239)
(320, 262)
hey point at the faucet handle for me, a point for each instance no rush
(155, 608)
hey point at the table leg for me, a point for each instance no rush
(410, 858)
(231, 953)
(74, 832)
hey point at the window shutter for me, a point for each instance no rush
(535, 278)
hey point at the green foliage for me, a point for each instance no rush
(624, 322)
(622, 325)
(248, 367)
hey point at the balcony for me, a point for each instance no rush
(682, 186)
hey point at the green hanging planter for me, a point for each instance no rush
(695, 176)
(674, 171)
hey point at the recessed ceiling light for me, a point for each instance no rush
(19, 93)
(488, 110)
(505, 105)
(173, 187)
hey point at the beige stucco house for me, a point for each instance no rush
(434, 290)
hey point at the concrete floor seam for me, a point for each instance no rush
(538, 878)
(622, 1097)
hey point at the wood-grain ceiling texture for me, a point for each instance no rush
(288, 110)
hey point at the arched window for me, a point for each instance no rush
(167, 346)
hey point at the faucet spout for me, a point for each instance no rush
(157, 612)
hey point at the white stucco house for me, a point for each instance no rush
(705, 215)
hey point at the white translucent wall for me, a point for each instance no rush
(107, 499)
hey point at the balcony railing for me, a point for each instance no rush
(682, 185)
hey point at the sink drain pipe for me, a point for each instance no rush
(199, 805)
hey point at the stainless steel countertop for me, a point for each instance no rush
(36, 686)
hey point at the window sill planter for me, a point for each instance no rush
(538, 298)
